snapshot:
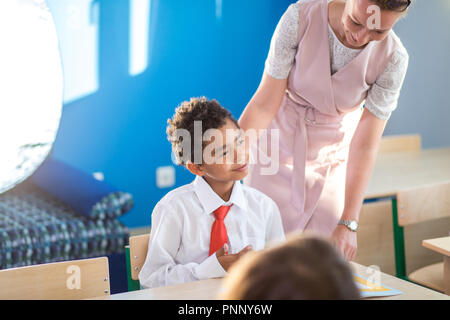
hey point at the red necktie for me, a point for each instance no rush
(218, 231)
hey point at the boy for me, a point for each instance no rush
(199, 230)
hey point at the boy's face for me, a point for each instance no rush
(226, 155)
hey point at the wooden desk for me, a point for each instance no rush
(397, 171)
(442, 246)
(209, 289)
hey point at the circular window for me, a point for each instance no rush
(31, 89)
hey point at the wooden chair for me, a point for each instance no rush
(400, 143)
(136, 253)
(375, 236)
(68, 280)
(419, 205)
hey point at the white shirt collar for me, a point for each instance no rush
(209, 199)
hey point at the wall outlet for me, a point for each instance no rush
(165, 177)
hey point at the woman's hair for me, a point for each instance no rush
(393, 5)
(302, 268)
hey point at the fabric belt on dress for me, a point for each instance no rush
(306, 115)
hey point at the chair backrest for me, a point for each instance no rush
(68, 280)
(138, 253)
(400, 143)
(421, 204)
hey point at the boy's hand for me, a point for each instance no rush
(226, 260)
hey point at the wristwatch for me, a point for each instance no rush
(351, 224)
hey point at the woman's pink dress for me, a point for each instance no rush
(316, 122)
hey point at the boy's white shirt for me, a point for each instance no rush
(181, 230)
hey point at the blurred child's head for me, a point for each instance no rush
(302, 268)
(207, 140)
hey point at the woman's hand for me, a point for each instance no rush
(345, 242)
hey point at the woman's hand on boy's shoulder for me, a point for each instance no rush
(226, 260)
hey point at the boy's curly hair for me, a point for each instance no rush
(212, 116)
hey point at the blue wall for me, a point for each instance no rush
(424, 105)
(120, 129)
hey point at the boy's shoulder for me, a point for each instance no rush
(176, 197)
(256, 195)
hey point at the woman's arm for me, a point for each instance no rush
(264, 104)
(361, 160)
(362, 156)
(381, 101)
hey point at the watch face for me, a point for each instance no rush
(353, 225)
(31, 89)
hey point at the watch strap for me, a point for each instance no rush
(347, 224)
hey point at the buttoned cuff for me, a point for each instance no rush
(210, 268)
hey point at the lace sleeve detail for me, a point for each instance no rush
(382, 98)
(284, 44)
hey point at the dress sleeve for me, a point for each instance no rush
(382, 98)
(284, 44)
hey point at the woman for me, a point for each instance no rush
(326, 59)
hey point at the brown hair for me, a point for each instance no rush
(212, 116)
(302, 268)
(393, 5)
